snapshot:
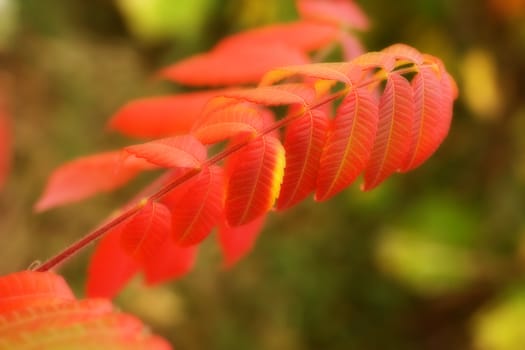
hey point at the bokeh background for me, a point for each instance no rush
(434, 259)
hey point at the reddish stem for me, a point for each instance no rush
(102, 230)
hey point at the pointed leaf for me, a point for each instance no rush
(340, 12)
(174, 152)
(225, 66)
(304, 141)
(161, 116)
(430, 123)
(27, 289)
(373, 60)
(228, 122)
(254, 175)
(145, 232)
(169, 262)
(86, 176)
(303, 35)
(349, 143)
(283, 94)
(405, 52)
(392, 143)
(110, 267)
(238, 241)
(196, 209)
(329, 71)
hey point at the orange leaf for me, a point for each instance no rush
(254, 175)
(238, 241)
(161, 116)
(145, 232)
(283, 94)
(340, 12)
(47, 317)
(183, 151)
(328, 71)
(227, 122)
(227, 66)
(405, 52)
(198, 207)
(33, 318)
(396, 117)
(303, 35)
(110, 267)
(349, 143)
(431, 122)
(169, 262)
(86, 176)
(27, 289)
(304, 141)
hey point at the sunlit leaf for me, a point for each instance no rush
(254, 176)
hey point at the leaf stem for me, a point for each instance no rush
(74, 248)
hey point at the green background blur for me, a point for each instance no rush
(434, 259)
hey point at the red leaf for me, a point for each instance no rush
(86, 176)
(342, 12)
(145, 232)
(197, 211)
(27, 289)
(227, 122)
(349, 143)
(161, 116)
(430, 123)
(304, 141)
(169, 262)
(5, 140)
(227, 66)
(396, 117)
(174, 152)
(254, 175)
(110, 267)
(238, 241)
(303, 35)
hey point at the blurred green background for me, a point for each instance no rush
(434, 259)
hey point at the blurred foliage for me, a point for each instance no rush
(434, 259)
